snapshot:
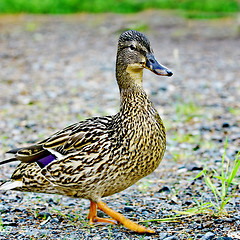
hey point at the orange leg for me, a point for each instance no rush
(117, 216)
(93, 218)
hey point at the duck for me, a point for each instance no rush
(101, 156)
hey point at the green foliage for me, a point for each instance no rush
(1, 224)
(179, 156)
(209, 5)
(186, 138)
(222, 194)
(226, 179)
(186, 111)
(109, 231)
(143, 185)
(234, 111)
(120, 6)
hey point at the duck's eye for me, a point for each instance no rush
(132, 47)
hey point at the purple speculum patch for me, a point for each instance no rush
(46, 160)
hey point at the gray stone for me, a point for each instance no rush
(208, 236)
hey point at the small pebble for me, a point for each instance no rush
(225, 125)
(208, 236)
(171, 238)
(128, 208)
(4, 209)
(165, 189)
(54, 220)
(224, 238)
(4, 224)
(188, 203)
(162, 235)
(194, 168)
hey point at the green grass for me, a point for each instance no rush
(222, 194)
(220, 186)
(187, 111)
(193, 8)
(234, 111)
(1, 224)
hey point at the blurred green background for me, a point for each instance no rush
(189, 8)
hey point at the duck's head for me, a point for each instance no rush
(134, 54)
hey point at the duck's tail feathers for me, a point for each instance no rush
(11, 185)
(8, 160)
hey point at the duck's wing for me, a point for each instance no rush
(57, 160)
(63, 143)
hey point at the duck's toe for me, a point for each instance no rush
(102, 221)
(123, 220)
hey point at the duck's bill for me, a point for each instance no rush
(153, 65)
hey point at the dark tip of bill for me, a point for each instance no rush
(170, 73)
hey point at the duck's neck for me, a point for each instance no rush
(129, 79)
(128, 76)
(132, 94)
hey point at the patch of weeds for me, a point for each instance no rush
(142, 237)
(194, 14)
(201, 208)
(31, 27)
(207, 144)
(4, 137)
(1, 224)
(123, 6)
(180, 155)
(196, 140)
(80, 117)
(42, 236)
(225, 179)
(76, 218)
(127, 203)
(54, 210)
(72, 217)
(187, 236)
(40, 136)
(186, 138)
(234, 111)
(36, 213)
(4, 145)
(42, 215)
(80, 74)
(175, 218)
(143, 185)
(168, 124)
(222, 196)
(110, 231)
(141, 27)
(186, 111)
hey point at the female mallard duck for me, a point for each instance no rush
(101, 156)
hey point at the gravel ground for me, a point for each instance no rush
(56, 70)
